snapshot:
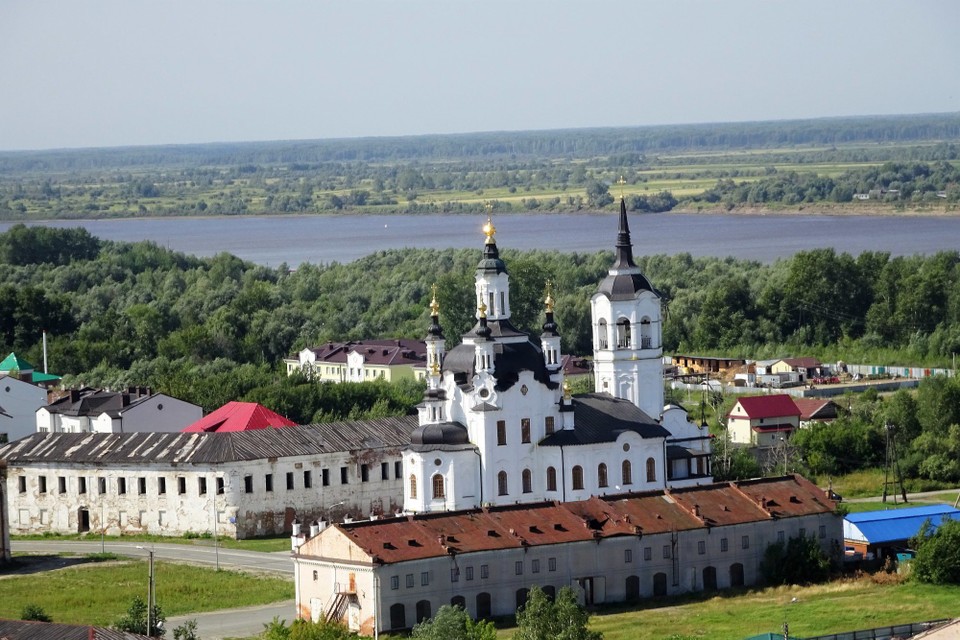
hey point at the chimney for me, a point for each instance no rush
(296, 527)
(314, 528)
(124, 399)
(74, 395)
(696, 510)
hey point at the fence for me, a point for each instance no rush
(884, 633)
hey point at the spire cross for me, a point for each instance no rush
(488, 228)
(483, 310)
(621, 182)
(434, 305)
(549, 301)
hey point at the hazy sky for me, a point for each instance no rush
(107, 73)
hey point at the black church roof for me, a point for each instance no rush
(599, 417)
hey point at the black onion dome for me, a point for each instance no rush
(483, 331)
(550, 327)
(491, 262)
(435, 330)
(509, 360)
(444, 433)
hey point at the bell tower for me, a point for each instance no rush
(627, 329)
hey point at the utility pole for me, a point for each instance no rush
(151, 595)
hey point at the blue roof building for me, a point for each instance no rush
(872, 531)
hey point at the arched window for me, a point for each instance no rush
(527, 481)
(484, 605)
(522, 595)
(709, 578)
(623, 333)
(626, 473)
(736, 575)
(502, 483)
(438, 491)
(458, 601)
(602, 475)
(413, 486)
(633, 588)
(551, 592)
(398, 616)
(602, 334)
(660, 584)
(651, 470)
(423, 611)
(551, 479)
(577, 477)
(646, 334)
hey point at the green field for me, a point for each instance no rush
(845, 605)
(100, 593)
(275, 543)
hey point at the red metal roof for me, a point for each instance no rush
(416, 537)
(810, 407)
(239, 416)
(776, 406)
(381, 352)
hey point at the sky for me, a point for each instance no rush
(105, 73)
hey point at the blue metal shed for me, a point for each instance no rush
(893, 526)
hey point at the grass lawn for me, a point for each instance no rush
(845, 605)
(278, 543)
(100, 593)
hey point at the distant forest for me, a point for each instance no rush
(908, 161)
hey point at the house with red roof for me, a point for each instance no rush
(389, 573)
(239, 416)
(763, 420)
(361, 361)
(816, 410)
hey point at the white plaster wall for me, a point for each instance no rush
(238, 512)
(608, 563)
(4, 518)
(21, 400)
(589, 458)
(161, 413)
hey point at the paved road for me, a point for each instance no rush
(214, 625)
(235, 623)
(943, 494)
(275, 562)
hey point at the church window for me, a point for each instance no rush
(501, 432)
(626, 473)
(548, 425)
(491, 310)
(527, 480)
(502, 483)
(602, 334)
(525, 430)
(577, 477)
(551, 479)
(651, 470)
(646, 334)
(413, 486)
(623, 333)
(438, 491)
(602, 475)
(503, 303)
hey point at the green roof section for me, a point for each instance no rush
(45, 377)
(14, 363)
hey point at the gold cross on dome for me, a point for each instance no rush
(489, 229)
(621, 182)
(549, 301)
(434, 305)
(483, 310)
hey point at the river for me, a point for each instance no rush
(319, 239)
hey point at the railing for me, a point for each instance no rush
(883, 633)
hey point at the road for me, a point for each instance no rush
(943, 494)
(276, 562)
(213, 625)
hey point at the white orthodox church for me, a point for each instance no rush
(499, 426)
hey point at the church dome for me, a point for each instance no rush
(625, 286)
(445, 433)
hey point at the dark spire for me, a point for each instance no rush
(624, 246)
(435, 331)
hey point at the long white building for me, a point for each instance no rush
(237, 484)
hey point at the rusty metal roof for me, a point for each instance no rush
(185, 448)
(30, 630)
(439, 534)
